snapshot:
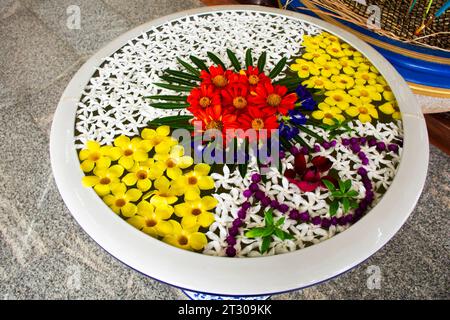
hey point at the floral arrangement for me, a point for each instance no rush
(331, 114)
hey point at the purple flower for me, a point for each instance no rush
(349, 218)
(333, 143)
(325, 223)
(362, 171)
(306, 98)
(304, 216)
(242, 213)
(256, 177)
(253, 187)
(282, 154)
(334, 221)
(316, 148)
(231, 240)
(365, 161)
(326, 145)
(354, 141)
(294, 214)
(297, 117)
(259, 195)
(247, 193)
(393, 148)
(316, 221)
(304, 150)
(372, 142)
(266, 201)
(246, 205)
(294, 150)
(231, 252)
(381, 146)
(361, 155)
(283, 208)
(342, 221)
(345, 142)
(237, 223)
(362, 140)
(274, 204)
(355, 148)
(233, 231)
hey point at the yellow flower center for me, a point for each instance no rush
(94, 156)
(220, 81)
(253, 79)
(157, 140)
(387, 88)
(328, 116)
(171, 163)
(326, 67)
(343, 81)
(344, 63)
(239, 102)
(335, 50)
(182, 240)
(105, 180)
(120, 203)
(338, 98)
(128, 152)
(318, 82)
(151, 223)
(196, 211)
(141, 174)
(258, 124)
(363, 110)
(365, 77)
(273, 100)
(305, 68)
(316, 55)
(213, 124)
(364, 93)
(192, 180)
(204, 102)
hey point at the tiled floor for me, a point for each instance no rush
(45, 254)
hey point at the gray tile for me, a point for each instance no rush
(31, 55)
(99, 23)
(142, 11)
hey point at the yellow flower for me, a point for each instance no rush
(164, 193)
(328, 68)
(94, 155)
(195, 212)
(366, 94)
(174, 161)
(120, 201)
(185, 238)
(151, 220)
(315, 54)
(343, 81)
(103, 179)
(348, 66)
(329, 115)
(158, 139)
(319, 82)
(335, 50)
(348, 49)
(192, 182)
(132, 150)
(338, 98)
(388, 95)
(364, 111)
(391, 108)
(305, 68)
(365, 77)
(312, 42)
(139, 175)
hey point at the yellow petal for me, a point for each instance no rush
(209, 202)
(151, 231)
(133, 194)
(373, 112)
(130, 179)
(192, 193)
(162, 147)
(164, 212)
(352, 111)
(328, 121)
(205, 219)
(126, 162)
(202, 169)
(162, 184)
(144, 184)
(103, 162)
(396, 115)
(118, 189)
(90, 181)
(205, 183)
(129, 210)
(318, 115)
(109, 199)
(102, 189)
(387, 108)
(114, 153)
(182, 209)
(174, 173)
(364, 118)
(189, 222)
(148, 133)
(145, 208)
(158, 201)
(92, 145)
(163, 130)
(84, 154)
(197, 240)
(164, 228)
(115, 171)
(87, 165)
(185, 162)
(122, 141)
(137, 222)
(140, 155)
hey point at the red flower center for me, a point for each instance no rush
(151, 223)
(196, 211)
(273, 100)
(141, 174)
(220, 81)
(257, 123)
(214, 124)
(120, 203)
(105, 180)
(204, 102)
(239, 102)
(253, 79)
(192, 180)
(182, 240)
(170, 163)
(128, 152)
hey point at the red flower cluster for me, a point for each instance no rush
(244, 100)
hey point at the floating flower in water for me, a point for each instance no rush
(158, 140)
(364, 111)
(121, 200)
(103, 179)
(272, 99)
(151, 220)
(305, 68)
(202, 98)
(132, 150)
(366, 94)
(196, 212)
(391, 108)
(192, 182)
(164, 193)
(174, 161)
(185, 238)
(95, 155)
(338, 98)
(328, 114)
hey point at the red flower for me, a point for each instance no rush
(218, 118)
(216, 76)
(310, 177)
(202, 98)
(235, 97)
(258, 119)
(273, 98)
(254, 77)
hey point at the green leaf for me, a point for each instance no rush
(171, 119)
(248, 58)
(346, 204)
(266, 244)
(162, 105)
(167, 98)
(255, 232)
(278, 68)
(337, 194)
(287, 81)
(268, 217)
(181, 74)
(234, 60)
(174, 87)
(352, 194)
(216, 60)
(199, 63)
(188, 67)
(348, 184)
(279, 233)
(334, 207)
(179, 81)
(329, 184)
(301, 141)
(353, 204)
(288, 235)
(280, 221)
(243, 169)
(341, 186)
(262, 61)
(311, 133)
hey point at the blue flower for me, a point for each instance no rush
(288, 132)
(297, 117)
(306, 98)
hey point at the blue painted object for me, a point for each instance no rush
(426, 67)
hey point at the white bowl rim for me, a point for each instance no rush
(241, 276)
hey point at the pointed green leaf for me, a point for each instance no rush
(341, 186)
(170, 119)
(280, 221)
(346, 204)
(353, 204)
(199, 63)
(268, 217)
(162, 105)
(348, 184)
(243, 167)
(167, 98)
(179, 81)
(234, 60)
(255, 233)
(174, 87)
(262, 61)
(352, 193)
(337, 194)
(266, 244)
(248, 58)
(288, 235)
(278, 68)
(181, 74)
(329, 184)
(280, 234)
(311, 133)
(334, 207)
(216, 60)
(188, 67)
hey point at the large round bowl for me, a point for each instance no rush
(246, 276)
